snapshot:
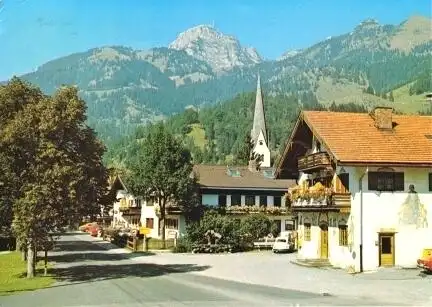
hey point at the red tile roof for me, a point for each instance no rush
(353, 137)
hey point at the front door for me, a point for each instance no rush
(324, 242)
(386, 251)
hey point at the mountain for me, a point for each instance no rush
(125, 88)
(220, 51)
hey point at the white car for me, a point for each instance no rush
(282, 244)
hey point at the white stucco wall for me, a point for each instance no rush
(339, 256)
(381, 212)
(118, 219)
(262, 150)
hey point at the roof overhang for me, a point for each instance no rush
(389, 164)
(302, 119)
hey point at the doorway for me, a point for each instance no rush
(386, 249)
(324, 241)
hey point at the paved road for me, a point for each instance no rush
(92, 275)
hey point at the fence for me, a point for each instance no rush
(136, 244)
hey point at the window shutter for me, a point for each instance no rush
(372, 181)
(399, 182)
(430, 182)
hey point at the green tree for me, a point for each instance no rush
(162, 167)
(256, 226)
(391, 97)
(56, 163)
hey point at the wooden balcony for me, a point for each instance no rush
(338, 202)
(127, 211)
(314, 161)
(341, 201)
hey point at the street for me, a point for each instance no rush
(94, 273)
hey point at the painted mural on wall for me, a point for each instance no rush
(412, 211)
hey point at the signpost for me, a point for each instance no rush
(144, 231)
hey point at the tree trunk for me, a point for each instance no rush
(162, 222)
(23, 248)
(35, 255)
(46, 263)
(30, 261)
(17, 245)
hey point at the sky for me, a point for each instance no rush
(33, 32)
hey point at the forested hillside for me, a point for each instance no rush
(219, 134)
(126, 88)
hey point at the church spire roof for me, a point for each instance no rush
(259, 123)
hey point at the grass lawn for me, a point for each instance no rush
(13, 275)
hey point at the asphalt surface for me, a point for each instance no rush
(91, 275)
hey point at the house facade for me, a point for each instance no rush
(242, 191)
(364, 193)
(130, 213)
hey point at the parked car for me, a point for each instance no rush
(87, 227)
(284, 243)
(425, 262)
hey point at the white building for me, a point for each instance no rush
(242, 190)
(373, 206)
(130, 212)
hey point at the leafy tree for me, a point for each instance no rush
(256, 226)
(56, 163)
(160, 166)
(391, 97)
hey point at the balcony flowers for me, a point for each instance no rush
(257, 209)
(317, 192)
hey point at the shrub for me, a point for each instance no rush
(183, 246)
(256, 226)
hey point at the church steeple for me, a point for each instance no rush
(259, 123)
(259, 129)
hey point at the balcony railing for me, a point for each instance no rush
(130, 210)
(257, 209)
(335, 201)
(314, 161)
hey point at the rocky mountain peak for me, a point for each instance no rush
(222, 52)
(368, 24)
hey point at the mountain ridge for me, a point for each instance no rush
(126, 87)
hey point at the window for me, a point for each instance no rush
(307, 231)
(250, 200)
(343, 235)
(235, 200)
(386, 181)
(430, 182)
(222, 199)
(131, 202)
(263, 201)
(138, 202)
(171, 223)
(344, 181)
(277, 201)
(289, 225)
(149, 223)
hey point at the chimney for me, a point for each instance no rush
(383, 117)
